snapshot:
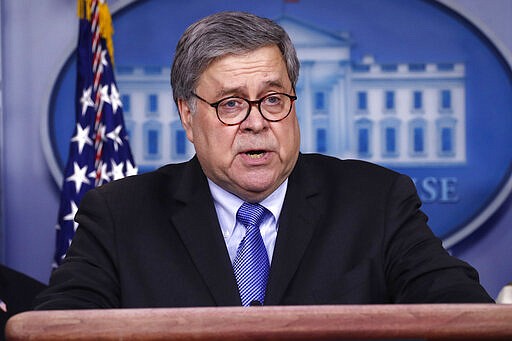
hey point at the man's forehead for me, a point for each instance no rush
(262, 68)
(276, 84)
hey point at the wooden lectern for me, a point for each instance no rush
(340, 322)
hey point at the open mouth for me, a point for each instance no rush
(255, 154)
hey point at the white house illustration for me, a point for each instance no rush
(400, 114)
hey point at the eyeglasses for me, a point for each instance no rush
(234, 110)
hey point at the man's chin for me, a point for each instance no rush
(256, 191)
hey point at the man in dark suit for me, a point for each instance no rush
(332, 231)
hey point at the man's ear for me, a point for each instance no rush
(186, 116)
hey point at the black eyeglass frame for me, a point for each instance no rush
(251, 103)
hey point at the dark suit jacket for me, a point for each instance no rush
(17, 291)
(349, 233)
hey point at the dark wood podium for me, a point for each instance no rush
(430, 322)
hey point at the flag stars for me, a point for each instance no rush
(100, 135)
(71, 215)
(104, 61)
(114, 136)
(101, 175)
(86, 100)
(82, 137)
(115, 98)
(79, 176)
(105, 97)
(130, 169)
(117, 170)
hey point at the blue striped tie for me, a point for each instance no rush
(251, 263)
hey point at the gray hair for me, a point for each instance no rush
(221, 34)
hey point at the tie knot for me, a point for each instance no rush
(251, 214)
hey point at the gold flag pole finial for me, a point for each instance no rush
(84, 10)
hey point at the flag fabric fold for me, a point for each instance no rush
(99, 151)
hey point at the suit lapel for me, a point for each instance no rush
(196, 221)
(193, 214)
(296, 226)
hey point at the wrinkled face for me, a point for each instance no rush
(253, 158)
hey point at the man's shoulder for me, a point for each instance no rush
(333, 174)
(167, 176)
(329, 165)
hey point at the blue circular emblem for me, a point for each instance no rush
(411, 85)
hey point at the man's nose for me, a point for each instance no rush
(255, 120)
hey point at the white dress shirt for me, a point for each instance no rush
(227, 205)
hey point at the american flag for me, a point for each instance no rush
(99, 151)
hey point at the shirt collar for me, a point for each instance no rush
(227, 204)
